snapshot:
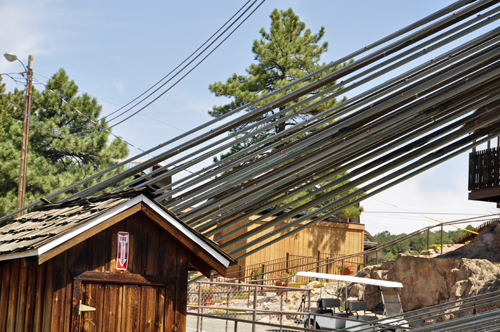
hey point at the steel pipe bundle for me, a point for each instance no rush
(437, 109)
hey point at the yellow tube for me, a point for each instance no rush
(453, 226)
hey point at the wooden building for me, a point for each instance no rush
(114, 262)
(332, 237)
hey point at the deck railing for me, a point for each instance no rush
(484, 169)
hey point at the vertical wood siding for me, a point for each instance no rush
(39, 297)
(326, 237)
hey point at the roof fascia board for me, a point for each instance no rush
(182, 228)
(17, 255)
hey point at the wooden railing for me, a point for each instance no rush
(484, 169)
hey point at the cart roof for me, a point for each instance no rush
(366, 281)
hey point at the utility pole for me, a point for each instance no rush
(26, 132)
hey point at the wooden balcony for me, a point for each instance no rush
(484, 176)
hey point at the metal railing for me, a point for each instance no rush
(245, 303)
(267, 272)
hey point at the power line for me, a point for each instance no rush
(195, 66)
(441, 213)
(88, 135)
(182, 69)
(110, 102)
(173, 70)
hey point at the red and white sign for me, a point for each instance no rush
(122, 253)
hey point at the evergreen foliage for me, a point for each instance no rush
(285, 53)
(53, 163)
(416, 243)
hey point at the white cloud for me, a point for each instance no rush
(120, 86)
(20, 32)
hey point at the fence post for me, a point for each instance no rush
(281, 314)
(442, 237)
(428, 238)
(309, 308)
(287, 259)
(199, 308)
(227, 311)
(317, 264)
(262, 276)
(254, 308)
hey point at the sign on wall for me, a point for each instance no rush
(122, 253)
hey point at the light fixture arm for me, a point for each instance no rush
(29, 64)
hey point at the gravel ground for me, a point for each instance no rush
(219, 325)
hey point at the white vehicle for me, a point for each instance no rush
(350, 319)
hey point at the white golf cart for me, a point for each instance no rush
(349, 318)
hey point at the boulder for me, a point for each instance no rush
(486, 245)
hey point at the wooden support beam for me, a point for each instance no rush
(123, 278)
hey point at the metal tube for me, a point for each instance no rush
(251, 174)
(339, 106)
(335, 87)
(351, 174)
(417, 24)
(358, 192)
(303, 131)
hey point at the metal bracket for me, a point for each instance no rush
(84, 308)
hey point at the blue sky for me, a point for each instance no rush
(116, 50)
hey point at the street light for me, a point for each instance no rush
(26, 127)
(11, 57)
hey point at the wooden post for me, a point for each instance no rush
(317, 263)
(262, 276)
(428, 238)
(442, 236)
(25, 142)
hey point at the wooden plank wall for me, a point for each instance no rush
(327, 237)
(39, 297)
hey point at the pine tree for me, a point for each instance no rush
(53, 162)
(286, 53)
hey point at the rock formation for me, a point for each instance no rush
(484, 246)
(429, 281)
